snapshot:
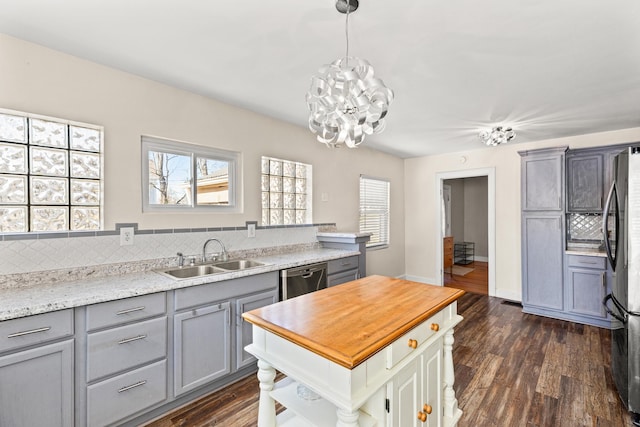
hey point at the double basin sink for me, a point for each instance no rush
(193, 271)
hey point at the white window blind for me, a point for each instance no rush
(374, 210)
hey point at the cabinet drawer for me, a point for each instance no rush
(115, 350)
(402, 347)
(125, 310)
(586, 261)
(26, 331)
(342, 264)
(224, 290)
(124, 395)
(340, 278)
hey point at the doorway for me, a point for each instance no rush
(489, 260)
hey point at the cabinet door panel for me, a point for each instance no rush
(340, 278)
(405, 396)
(584, 186)
(432, 383)
(587, 288)
(542, 261)
(202, 346)
(542, 181)
(36, 386)
(244, 336)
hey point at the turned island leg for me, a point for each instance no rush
(266, 405)
(451, 412)
(347, 418)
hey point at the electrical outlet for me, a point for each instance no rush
(251, 230)
(126, 236)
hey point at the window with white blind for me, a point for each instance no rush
(374, 210)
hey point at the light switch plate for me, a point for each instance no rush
(251, 230)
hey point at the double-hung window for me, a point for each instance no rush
(374, 210)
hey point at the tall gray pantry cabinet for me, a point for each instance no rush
(542, 194)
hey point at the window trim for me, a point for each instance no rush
(371, 245)
(234, 158)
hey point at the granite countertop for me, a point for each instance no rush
(586, 251)
(46, 297)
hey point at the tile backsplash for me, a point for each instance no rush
(42, 254)
(587, 228)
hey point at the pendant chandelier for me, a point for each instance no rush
(346, 101)
(496, 136)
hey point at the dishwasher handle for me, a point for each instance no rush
(305, 272)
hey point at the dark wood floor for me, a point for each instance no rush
(477, 281)
(512, 369)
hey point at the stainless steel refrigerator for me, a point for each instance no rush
(622, 243)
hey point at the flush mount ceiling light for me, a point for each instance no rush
(497, 135)
(346, 101)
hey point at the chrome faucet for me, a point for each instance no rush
(180, 259)
(223, 254)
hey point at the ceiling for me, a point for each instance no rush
(547, 68)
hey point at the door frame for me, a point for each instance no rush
(490, 173)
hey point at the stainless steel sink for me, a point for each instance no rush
(195, 271)
(239, 264)
(208, 269)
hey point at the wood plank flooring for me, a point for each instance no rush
(476, 282)
(512, 369)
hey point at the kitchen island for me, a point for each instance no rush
(375, 351)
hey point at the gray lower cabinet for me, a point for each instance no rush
(587, 283)
(36, 386)
(37, 370)
(542, 266)
(126, 358)
(244, 334)
(342, 270)
(202, 346)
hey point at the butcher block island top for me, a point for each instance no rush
(349, 323)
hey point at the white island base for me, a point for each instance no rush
(407, 382)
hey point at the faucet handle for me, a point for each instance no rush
(180, 259)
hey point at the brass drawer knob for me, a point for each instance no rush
(413, 343)
(435, 327)
(427, 408)
(422, 416)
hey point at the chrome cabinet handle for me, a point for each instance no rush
(126, 340)
(129, 387)
(32, 331)
(130, 310)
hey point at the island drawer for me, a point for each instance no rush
(116, 398)
(409, 342)
(125, 310)
(31, 330)
(342, 264)
(125, 347)
(586, 261)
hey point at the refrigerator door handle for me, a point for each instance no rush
(608, 310)
(605, 224)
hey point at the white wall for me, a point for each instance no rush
(43, 81)
(476, 216)
(422, 204)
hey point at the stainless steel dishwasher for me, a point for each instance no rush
(302, 280)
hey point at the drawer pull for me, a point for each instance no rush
(427, 408)
(435, 327)
(126, 340)
(422, 416)
(129, 387)
(413, 343)
(130, 310)
(32, 331)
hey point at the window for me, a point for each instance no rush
(286, 192)
(374, 210)
(180, 177)
(50, 174)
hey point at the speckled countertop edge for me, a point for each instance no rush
(587, 252)
(46, 297)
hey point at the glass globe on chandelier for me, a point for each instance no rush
(496, 136)
(346, 101)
